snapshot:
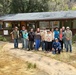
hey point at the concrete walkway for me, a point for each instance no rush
(51, 66)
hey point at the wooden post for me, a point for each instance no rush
(71, 24)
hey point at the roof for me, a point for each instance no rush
(6, 16)
(39, 16)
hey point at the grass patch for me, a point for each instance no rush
(66, 57)
(31, 66)
(74, 39)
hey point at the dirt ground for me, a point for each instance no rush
(10, 65)
(46, 62)
(66, 57)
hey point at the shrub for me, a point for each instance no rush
(30, 65)
(3, 39)
(74, 38)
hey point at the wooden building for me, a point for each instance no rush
(38, 19)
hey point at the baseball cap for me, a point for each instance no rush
(67, 27)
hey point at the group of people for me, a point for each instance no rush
(48, 39)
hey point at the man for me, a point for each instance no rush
(31, 35)
(21, 34)
(15, 36)
(56, 46)
(24, 37)
(68, 36)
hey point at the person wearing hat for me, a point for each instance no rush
(68, 36)
(56, 46)
(15, 36)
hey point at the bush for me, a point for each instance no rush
(3, 39)
(74, 38)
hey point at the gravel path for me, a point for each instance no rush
(50, 66)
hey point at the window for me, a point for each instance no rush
(8, 25)
(44, 24)
(54, 24)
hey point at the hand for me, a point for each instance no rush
(57, 49)
(68, 38)
(52, 48)
(61, 39)
(12, 38)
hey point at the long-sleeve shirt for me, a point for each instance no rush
(68, 34)
(31, 36)
(56, 45)
(49, 37)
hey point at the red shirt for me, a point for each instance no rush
(60, 36)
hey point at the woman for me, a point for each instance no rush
(56, 33)
(48, 41)
(61, 39)
(37, 39)
(52, 30)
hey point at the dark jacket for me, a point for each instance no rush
(56, 45)
(31, 36)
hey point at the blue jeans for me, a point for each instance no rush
(55, 51)
(37, 44)
(43, 45)
(15, 43)
(64, 42)
(22, 40)
(68, 45)
(25, 43)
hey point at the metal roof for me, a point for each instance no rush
(39, 16)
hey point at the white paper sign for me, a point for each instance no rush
(5, 32)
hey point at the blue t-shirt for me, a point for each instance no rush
(24, 34)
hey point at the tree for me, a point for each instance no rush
(17, 6)
(21, 6)
(4, 6)
(57, 5)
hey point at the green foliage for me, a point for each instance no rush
(74, 8)
(30, 65)
(74, 38)
(3, 39)
(22, 6)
